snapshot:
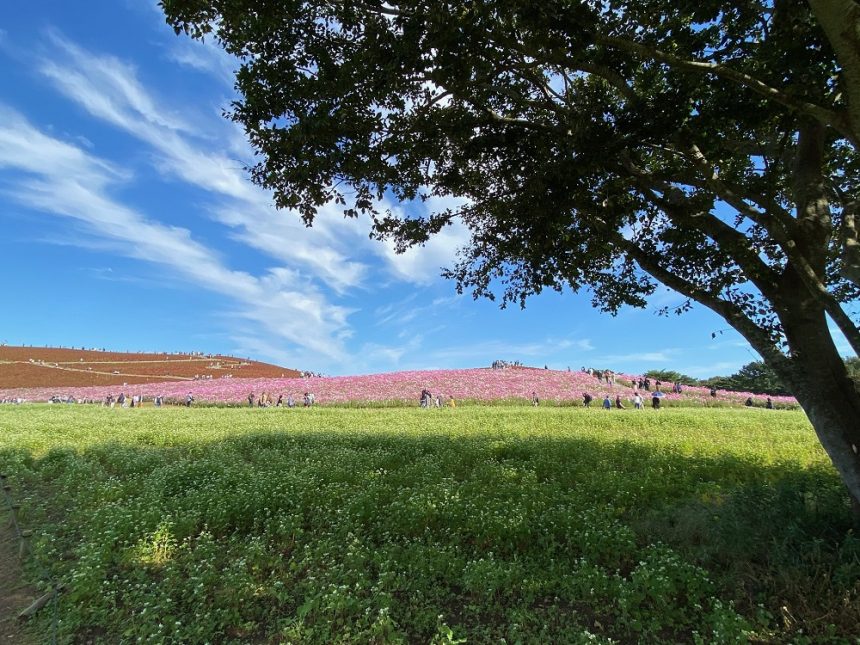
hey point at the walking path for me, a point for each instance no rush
(15, 594)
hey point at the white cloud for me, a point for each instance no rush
(108, 89)
(61, 179)
(207, 57)
(423, 265)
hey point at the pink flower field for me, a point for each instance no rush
(467, 384)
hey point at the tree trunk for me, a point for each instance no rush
(820, 383)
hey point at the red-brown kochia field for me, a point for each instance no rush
(67, 367)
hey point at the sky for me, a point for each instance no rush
(128, 222)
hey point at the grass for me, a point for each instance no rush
(418, 526)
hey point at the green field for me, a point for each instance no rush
(497, 524)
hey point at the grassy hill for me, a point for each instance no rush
(67, 367)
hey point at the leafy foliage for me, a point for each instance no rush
(671, 376)
(581, 146)
(752, 377)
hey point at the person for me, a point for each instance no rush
(655, 401)
(312, 399)
(714, 392)
(769, 404)
(438, 400)
(607, 404)
(637, 401)
(451, 402)
(307, 400)
(535, 399)
(189, 399)
(618, 403)
(586, 399)
(280, 402)
(748, 402)
(121, 400)
(251, 400)
(290, 401)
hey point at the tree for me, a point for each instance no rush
(710, 147)
(671, 376)
(753, 377)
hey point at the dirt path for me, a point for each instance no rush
(169, 377)
(15, 594)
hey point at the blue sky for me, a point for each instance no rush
(128, 223)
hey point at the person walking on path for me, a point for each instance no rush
(607, 404)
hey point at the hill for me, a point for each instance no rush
(486, 385)
(26, 367)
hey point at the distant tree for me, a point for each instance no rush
(754, 377)
(671, 376)
(708, 146)
(759, 378)
(853, 365)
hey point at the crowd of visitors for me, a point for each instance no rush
(267, 400)
(503, 365)
(427, 400)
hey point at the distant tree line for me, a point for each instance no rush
(752, 377)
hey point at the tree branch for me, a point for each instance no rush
(732, 314)
(610, 76)
(840, 20)
(724, 235)
(837, 121)
(759, 273)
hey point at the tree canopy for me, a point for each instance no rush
(603, 144)
(753, 377)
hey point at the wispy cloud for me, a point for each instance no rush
(59, 178)
(206, 57)
(423, 265)
(109, 90)
(643, 357)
